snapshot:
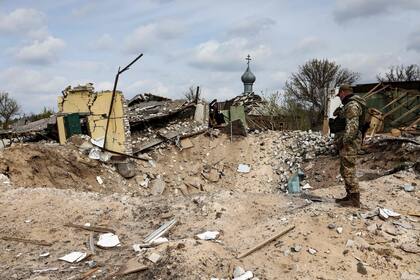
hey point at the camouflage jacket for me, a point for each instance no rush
(352, 112)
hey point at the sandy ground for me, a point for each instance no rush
(245, 208)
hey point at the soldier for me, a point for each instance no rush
(348, 142)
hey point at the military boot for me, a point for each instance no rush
(351, 200)
(346, 198)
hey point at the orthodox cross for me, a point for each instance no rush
(248, 58)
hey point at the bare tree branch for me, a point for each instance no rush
(401, 73)
(309, 84)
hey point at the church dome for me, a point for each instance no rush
(248, 77)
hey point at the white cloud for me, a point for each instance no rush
(32, 89)
(153, 36)
(347, 10)
(414, 42)
(368, 64)
(41, 52)
(228, 55)
(149, 86)
(83, 10)
(251, 26)
(103, 43)
(24, 22)
(310, 44)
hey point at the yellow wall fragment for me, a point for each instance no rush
(95, 107)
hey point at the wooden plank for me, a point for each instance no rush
(91, 228)
(262, 244)
(23, 240)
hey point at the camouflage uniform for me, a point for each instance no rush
(350, 140)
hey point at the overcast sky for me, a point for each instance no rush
(48, 45)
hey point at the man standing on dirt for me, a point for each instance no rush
(349, 141)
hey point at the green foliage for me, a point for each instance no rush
(45, 113)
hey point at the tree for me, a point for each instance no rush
(191, 93)
(310, 84)
(8, 108)
(401, 73)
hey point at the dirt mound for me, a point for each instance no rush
(50, 166)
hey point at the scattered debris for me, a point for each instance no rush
(361, 268)
(158, 186)
(154, 257)
(238, 271)
(244, 168)
(99, 180)
(108, 240)
(296, 248)
(208, 235)
(312, 251)
(386, 213)
(131, 266)
(408, 187)
(247, 275)
(44, 255)
(74, 257)
(349, 243)
(91, 228)
(88, 273)
(44, 270)
(332, 226)
(339, 230)
(160, 231)
(262, 244)
(306, 187)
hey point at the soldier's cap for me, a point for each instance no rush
(346, 87)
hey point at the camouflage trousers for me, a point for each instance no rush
(348, 157)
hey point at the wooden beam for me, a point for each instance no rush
(262, 244)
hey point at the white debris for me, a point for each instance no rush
(154, 257)
(43, 255)
(312, 251)
(99, 180)
(160, 240)
(208, 235)
(385, 213)
(73, 257)
(244, 168)
(339, 230)
(238, 272)
(349, 243)
(306, 187)
(247, 275)
(408, 188)
(108, 240)
(45, 270)
(4, 179)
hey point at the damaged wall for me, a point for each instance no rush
(94, 108)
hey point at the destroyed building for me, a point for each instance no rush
(81, 110)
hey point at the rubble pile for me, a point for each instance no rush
(295, 147)
(248, 100)
(176, 127)
(141, 109)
